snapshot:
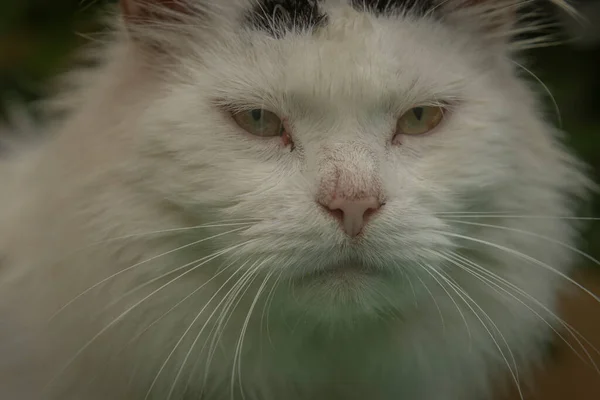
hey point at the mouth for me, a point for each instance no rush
(343, 270)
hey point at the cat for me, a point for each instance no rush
(289, 200)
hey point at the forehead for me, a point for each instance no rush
(350, 53)
(276, 17)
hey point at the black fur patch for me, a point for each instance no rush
(277, 17)
(391, 7)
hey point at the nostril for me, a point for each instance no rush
(369, 213)
(335, 213)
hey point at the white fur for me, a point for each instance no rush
(145, 149)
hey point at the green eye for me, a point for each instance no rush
(259, 122)
(420, 120)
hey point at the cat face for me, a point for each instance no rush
(347, 136)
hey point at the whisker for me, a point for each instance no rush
(459, 290)
(158, 278)
(412, 288)
(546, 88)
(221, 271)
(532, 234)
(518, 290)
(550, 217)
(184, 362)
(214, 224)
(165, 314)
(164, 364)
(473, 212)
(229, 308)
(126, 312)
(426, 269)
(238, 351)
(137, 265)
(434, 301)
(267, 305)
(523, 256)
(221, 224)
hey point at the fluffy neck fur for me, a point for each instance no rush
(148, 249)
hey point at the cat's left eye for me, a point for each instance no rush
(420, 120)
(259, 122)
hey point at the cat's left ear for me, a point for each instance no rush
(498, 21)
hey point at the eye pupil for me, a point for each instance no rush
(256, 114)
(418, 111)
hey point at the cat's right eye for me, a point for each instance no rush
(259, 122)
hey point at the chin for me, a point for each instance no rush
(347, 291)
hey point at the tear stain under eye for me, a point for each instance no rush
(286, 137)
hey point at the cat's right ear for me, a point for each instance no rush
(139, 11)
(158, 24)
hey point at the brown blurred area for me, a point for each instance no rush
(568, 375)
(38, 36)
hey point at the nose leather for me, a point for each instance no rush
(354, 213)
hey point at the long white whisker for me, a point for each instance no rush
(214, 224)
(239, 222)
(228, 310)
(151, 281)
(139, 264)
(569, 327)
(157, 320)
(523, 256)
(489, 282)
(516, 216)
(267, 306)
(209, 335)
(238, 351)
(221, 271)
(162, 367)
(459, 290)
(187, 356)
(434, 301)
(234, 297)
(462, 315)
(126, 312)
(527, 233)
(412, 289)
(474, 212)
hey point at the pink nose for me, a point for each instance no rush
(353, 214)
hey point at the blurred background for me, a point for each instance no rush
(38, 38)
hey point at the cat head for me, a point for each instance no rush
(346, 132)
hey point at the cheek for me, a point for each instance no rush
(445, 174)
(269, 189)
